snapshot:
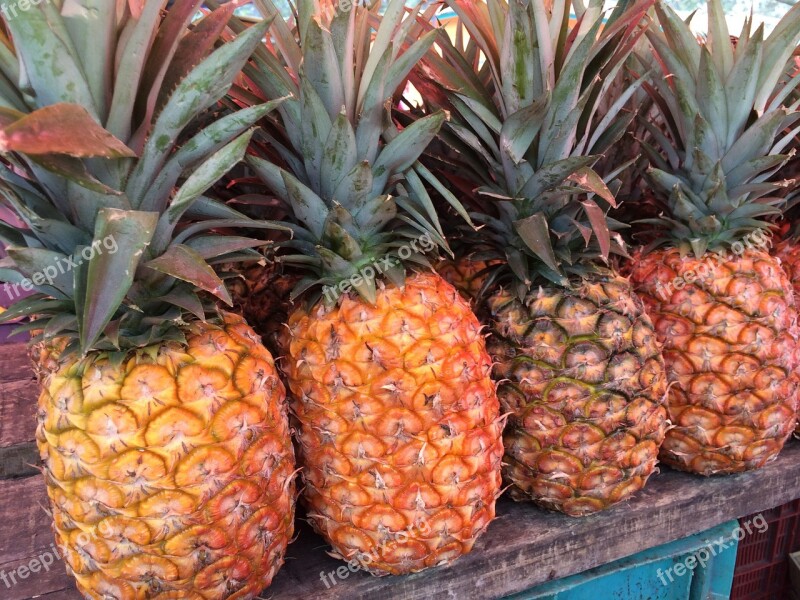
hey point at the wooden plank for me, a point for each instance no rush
(26, 534)
(21, 460)
(19, 393)
(18, 403)
(522, 548)
(23, 519)
(15, 363)
(53, 579)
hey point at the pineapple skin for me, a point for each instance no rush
(465, 274)
(400, 434)
(730, 345)
(45, 355)
(263, 297)
(789, 254)
(172, 474)
(585, 386)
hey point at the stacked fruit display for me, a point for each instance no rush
(444, 292)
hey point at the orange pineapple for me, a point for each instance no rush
(401, 428)
(399, 425)
(723, 308)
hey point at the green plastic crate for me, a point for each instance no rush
(646, 576)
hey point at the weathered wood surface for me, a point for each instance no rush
(18, 399)
(522, 548)
(15, 363)
(70, 594)
(18, 396)
(25, 535)
(20, 460)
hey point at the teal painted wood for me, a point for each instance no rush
(699, 567)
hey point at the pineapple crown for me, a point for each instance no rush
(351, 176)
(730, 110)
(524, 91)
(94, 97)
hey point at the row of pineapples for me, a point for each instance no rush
(164, 426)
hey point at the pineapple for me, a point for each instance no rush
(580, 372)
(786, 250)
(178, 478)
(785, 243)
(723, 308)
(261, 292)
(468, 273)
(400, 435)
(162, 423)
(45, 354)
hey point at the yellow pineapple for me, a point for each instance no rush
(580, 372)
(723, 308)
(162, 424)
(399, 425)
(45, 355)
(171, 472)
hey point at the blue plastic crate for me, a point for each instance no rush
(651, 575)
